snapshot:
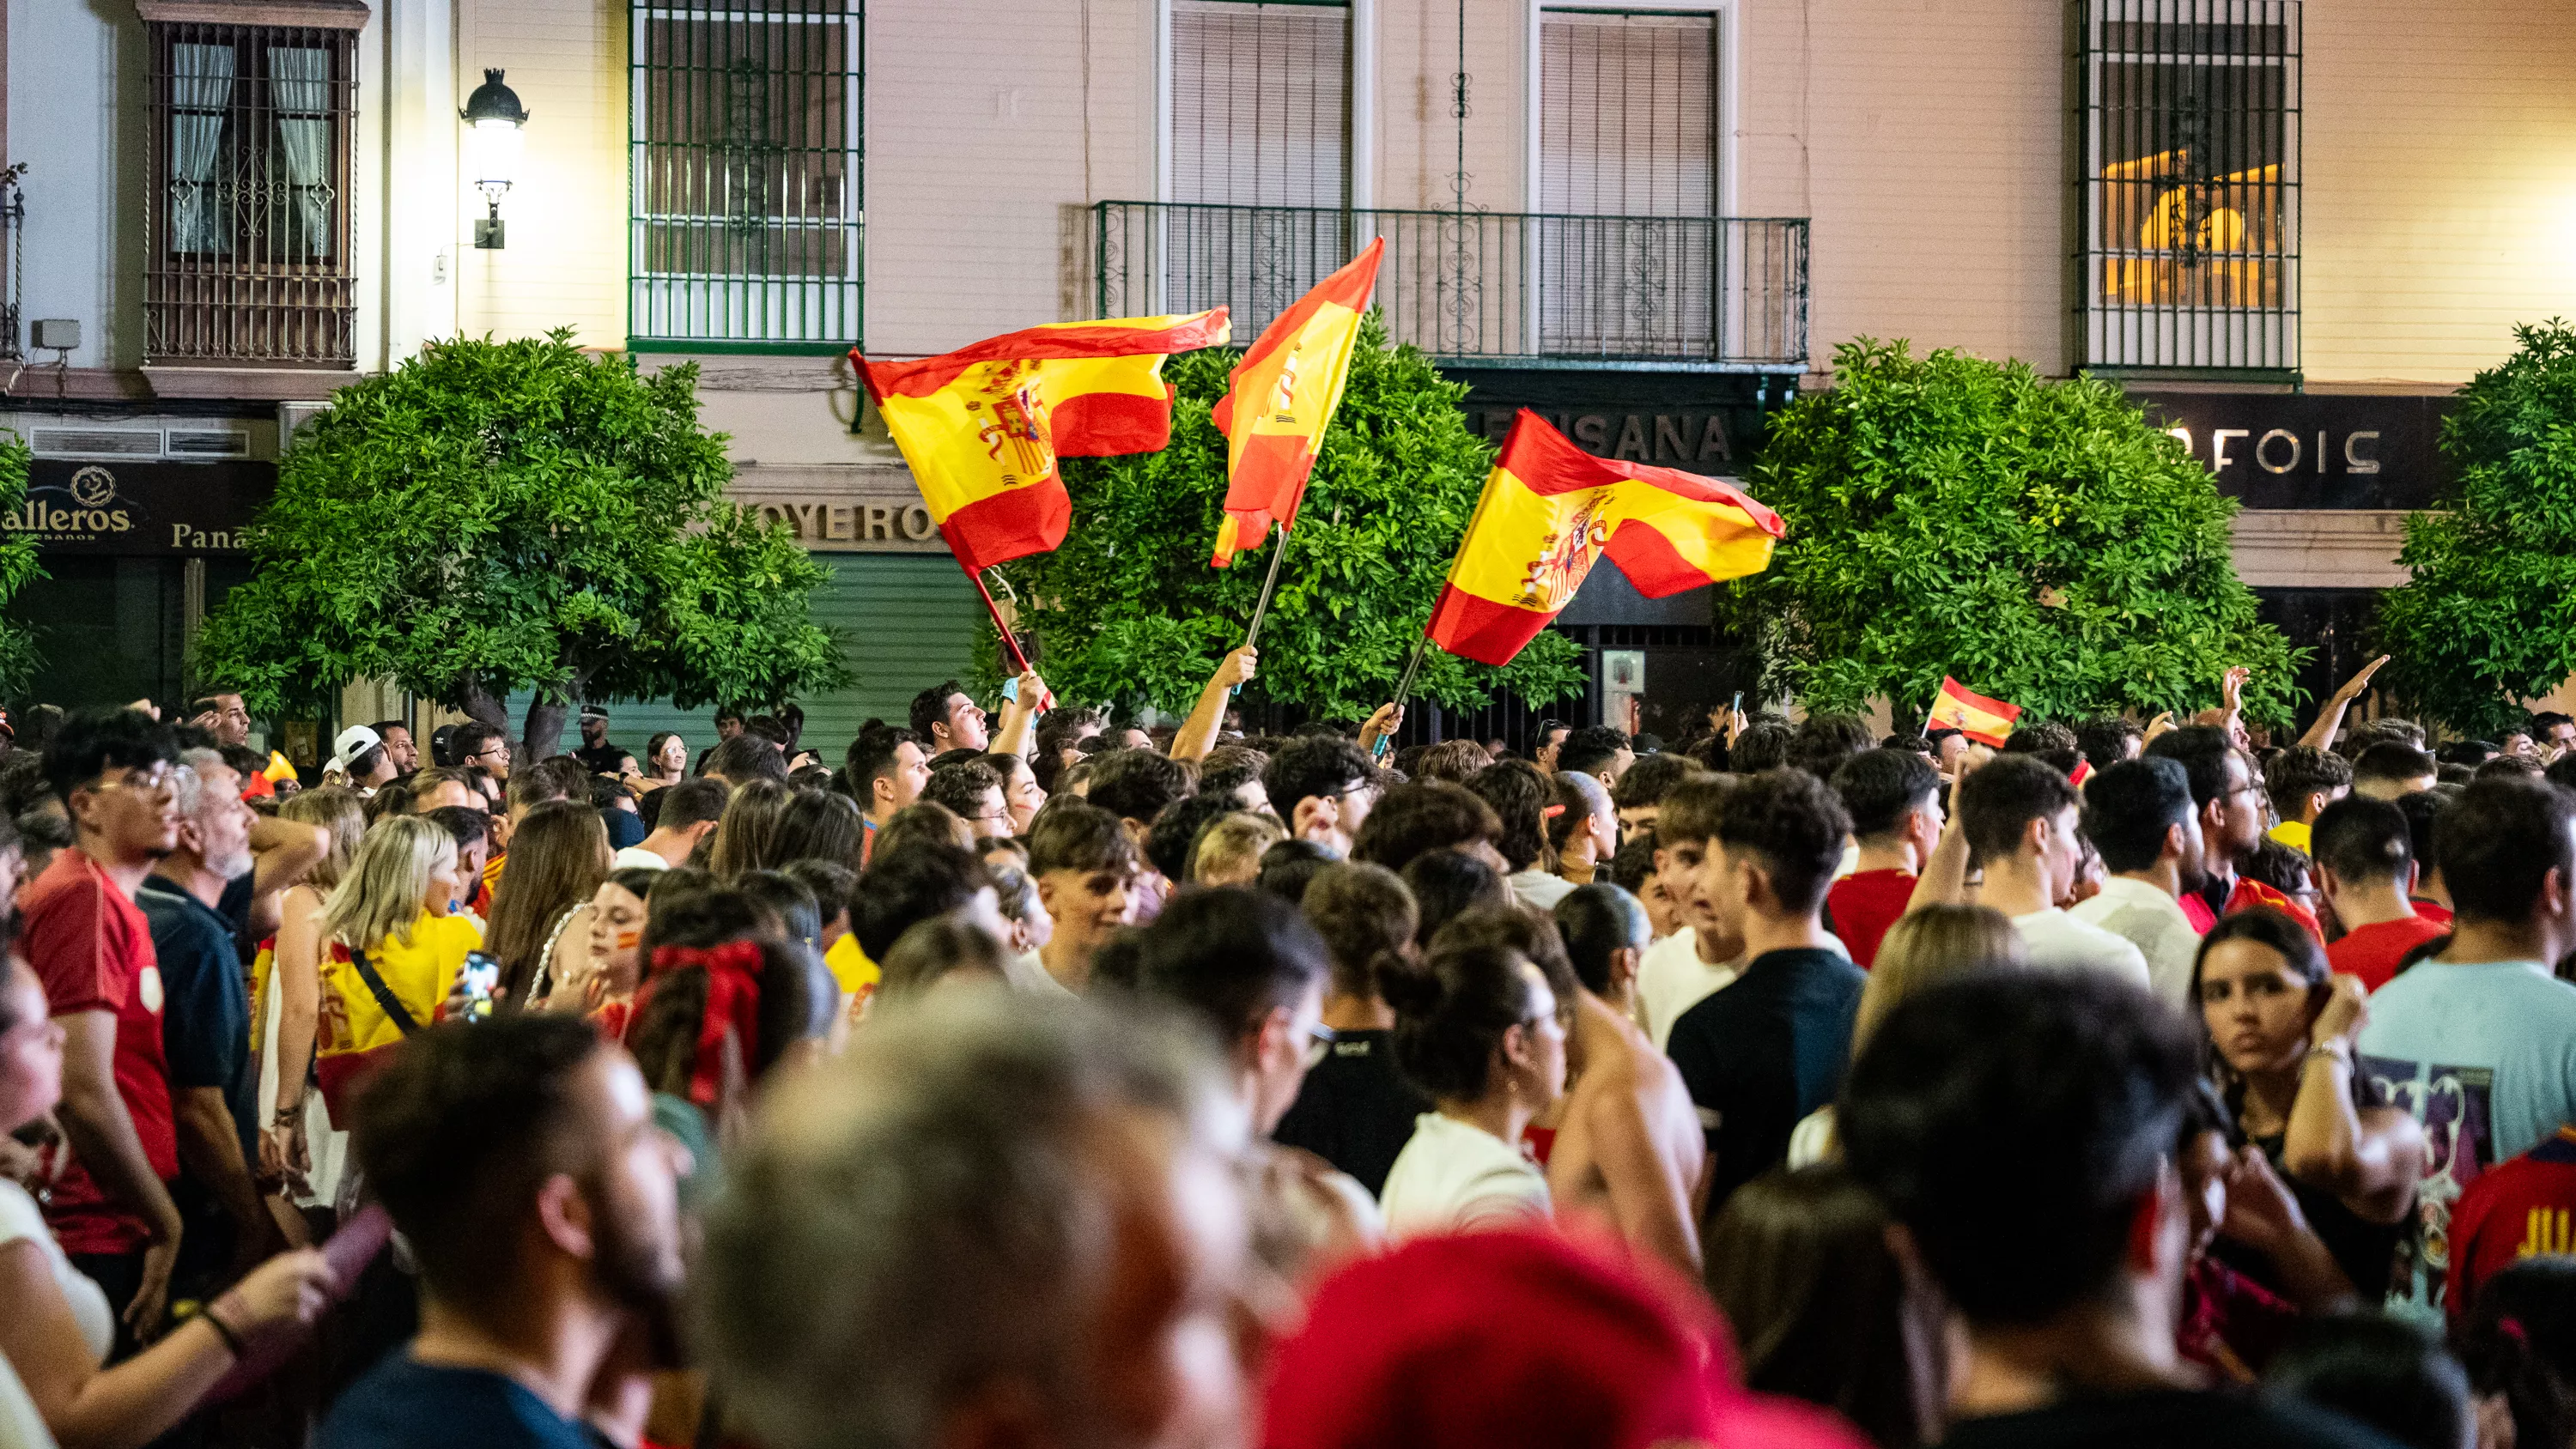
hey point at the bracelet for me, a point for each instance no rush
(288, 1116)
(2333, 1052)
(223, 1330)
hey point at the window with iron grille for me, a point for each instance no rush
(247, 201)
(1260, 103)
(2191, 184)
(748, 220)
(1628, 254)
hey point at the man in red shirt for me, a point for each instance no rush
(2517, 1209)
(1894, 799)
(111, 1208)
(2366, 867)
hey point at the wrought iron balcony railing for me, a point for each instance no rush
(1478, 286)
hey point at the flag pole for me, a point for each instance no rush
(1403, 690)
(1019, 661)
(1252, 636)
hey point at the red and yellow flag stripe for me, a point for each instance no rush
(1987, 721)
(1279, 400)
(982, 427)
(1551, 510)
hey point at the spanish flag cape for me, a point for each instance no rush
(356, 1031)
(1550, 510)
(983, 426)
(1279, 399)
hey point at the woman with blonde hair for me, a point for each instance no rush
(392, 947)
(1927, 946)
(540, 928)
(286, 986)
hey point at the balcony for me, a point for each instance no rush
(1480, 288)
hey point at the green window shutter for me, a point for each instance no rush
(907, 620)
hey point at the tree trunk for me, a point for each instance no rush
(545, 729)
(483, 706)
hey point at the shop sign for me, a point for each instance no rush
(141, 508)
(840, 509)
(2295, 451)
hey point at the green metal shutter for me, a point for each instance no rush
(907, 621)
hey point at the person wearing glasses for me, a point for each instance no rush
(1246, 964)
(111, 1209)
(973, 791)
(2228, 792)
(481, 748)
(1479, 1027)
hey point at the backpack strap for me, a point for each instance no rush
(390, 1004)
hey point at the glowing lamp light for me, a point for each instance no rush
(493, 142)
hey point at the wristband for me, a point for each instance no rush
(2332, 1051)
(223, 1330)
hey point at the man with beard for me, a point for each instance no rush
(2139, 815)
(520, 1160)
(205, 1027)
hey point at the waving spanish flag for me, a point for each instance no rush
(983, 426)
(1279, 399)
(1987, 721)
(1550, 510)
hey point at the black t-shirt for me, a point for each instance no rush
(402, 1403)
(2166, 1419)
(205, 1004)
(1762, 1053)
(601, 758)
(1355, 1111)
(2366, 1251)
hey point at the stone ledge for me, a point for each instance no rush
(2320, 548)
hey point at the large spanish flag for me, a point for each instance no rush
(1280, 397)
(1987, 721)
(983, 426)
(1550, 510)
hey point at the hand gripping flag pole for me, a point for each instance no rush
(1403, 692)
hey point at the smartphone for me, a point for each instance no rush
(482, 974)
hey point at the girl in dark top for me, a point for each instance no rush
(2278, 1034)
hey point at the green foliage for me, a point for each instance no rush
(2036, 539)
(1128, 610)
(17, 566)
(517, 515)
(2490, 613)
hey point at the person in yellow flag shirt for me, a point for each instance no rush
(395, 947)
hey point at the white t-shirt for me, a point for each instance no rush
(1537, 889)
(2152, 921)
(2058, 941)
(21, 1218)
(636, 857)
(1455, 1177)
(1671, 979)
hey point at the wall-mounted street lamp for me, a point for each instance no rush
(493, 117)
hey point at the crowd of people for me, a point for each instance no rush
(1024, 1078)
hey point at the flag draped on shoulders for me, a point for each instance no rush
(1550, 510)
(1987, 721)
(983, 426)
(1279, 399)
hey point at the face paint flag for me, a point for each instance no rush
(1987, 721)
(1550, 510)
(983, 426)
(1279, 399)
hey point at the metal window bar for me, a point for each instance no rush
(13, 263)
(246, 200)
(746, 201)
(2191, 184)
(1713, 291)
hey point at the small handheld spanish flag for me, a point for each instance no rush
(1550, 510)
(1987, 721)
(983, 426)
(1279, 400)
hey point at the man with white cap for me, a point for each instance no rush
(359, 757)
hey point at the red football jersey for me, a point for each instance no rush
(2514, 1210)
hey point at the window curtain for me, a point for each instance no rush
(299, 83)
(201, 89)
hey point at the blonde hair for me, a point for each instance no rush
(343, 814)
(1234, 840)
(1927, 946)
(379, 897)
